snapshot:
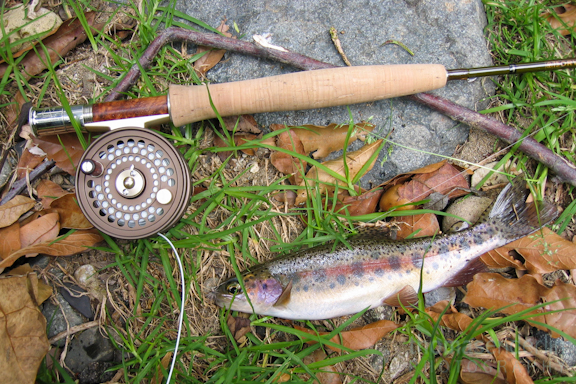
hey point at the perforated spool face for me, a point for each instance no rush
(140, 185)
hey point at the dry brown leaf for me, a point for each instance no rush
(447, 180)
(9, 240)
(543, 252)
(13, 209)
(329, 374)
(362, 204)
(567, 16)
(71, 215)
(158, 378)
(43, 292)
(23, 339)
(493, 291)
(441, 177)
(472, 372)
(70, 34)
(48, 191)
(65, 150)
(77, 242)
(213, 57)
(451, 318)
(426, 224)
(241, 124)
(239, 327)
(514, 371)
(322, 141)
(27, 163)
(357, 338)
(355, 161)
(43, 229)
(285, 163)
(239, 139)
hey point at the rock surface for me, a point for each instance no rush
(444, 32)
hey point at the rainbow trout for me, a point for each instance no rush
(327, 281)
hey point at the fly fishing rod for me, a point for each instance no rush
(295, 91)
(132, 183)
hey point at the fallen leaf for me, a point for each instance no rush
(41, 230)
(9, 240)
(239, 327)
(48, 191)
(19, 25)
(446, 180)
(443, 178)
(451, 319)
(71, 215)
(165, 362)
(422, 225)
(493, 291)
(241, 124)
(543, 252)
(43, 292)
(65, 150)
(328, 374)
(213, 57)
(23, 339)
(360, 205)
(66, 245)
(514, 371)
(70, 34)
(13, 209)
(239, 139)
(284, 162)
(563, 18)
(480, 372)
(357, 338)
(325, 182)
(322, 141)
(28, 161)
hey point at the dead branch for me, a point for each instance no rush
(561, 167)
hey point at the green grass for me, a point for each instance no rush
(540, 103)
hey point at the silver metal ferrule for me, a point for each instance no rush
(52, 118)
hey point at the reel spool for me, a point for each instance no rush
(132, 183)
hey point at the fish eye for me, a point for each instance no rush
(234, 288)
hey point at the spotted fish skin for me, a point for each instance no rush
(336, 280)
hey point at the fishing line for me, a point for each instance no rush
(181, 317)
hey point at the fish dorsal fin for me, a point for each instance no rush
(285, 296)
(407, 296)
(467, 273)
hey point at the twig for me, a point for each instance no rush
(543, 357)
(338, 45)
(19, 186)
(73, 330)
(531, 147)
(561, 167)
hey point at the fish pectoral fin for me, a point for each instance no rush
(284, 297)
(466, 274)
(406, 297)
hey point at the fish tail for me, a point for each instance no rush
(514, 217)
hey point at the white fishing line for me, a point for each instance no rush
(181, 318)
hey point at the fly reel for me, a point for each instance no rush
(132, 183)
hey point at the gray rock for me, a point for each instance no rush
(564, 349)
(444, 32)
(58, 317)
(88, 347)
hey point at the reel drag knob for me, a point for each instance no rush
(132, 183)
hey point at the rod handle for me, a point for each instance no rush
(303, 90)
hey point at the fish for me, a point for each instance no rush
(329, 280)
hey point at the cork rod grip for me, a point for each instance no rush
(303, 90)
